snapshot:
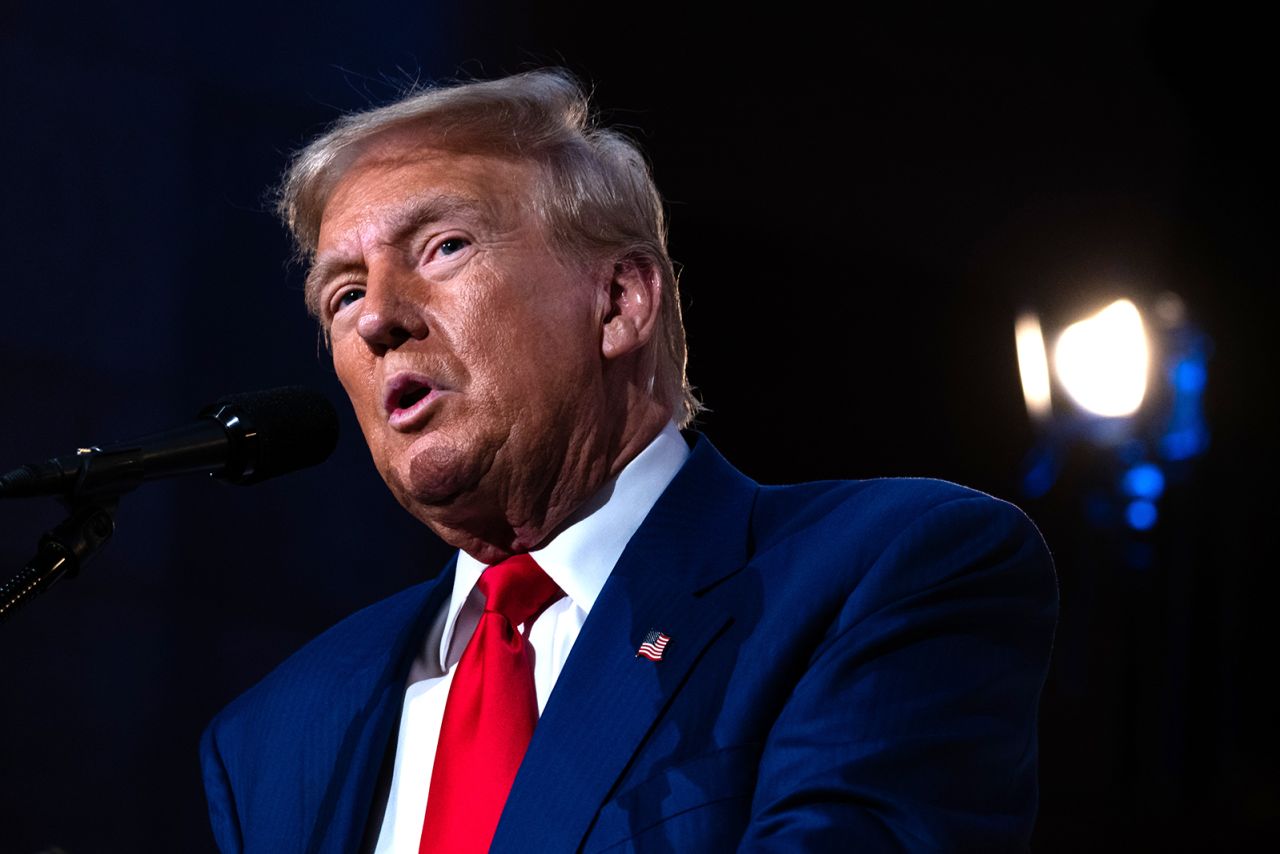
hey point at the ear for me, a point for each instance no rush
(635, 292)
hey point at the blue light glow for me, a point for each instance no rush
(1141, 515)
(1144, 480)
(1186, 434)
(1183, 444)
(1189, 375)
(1041, 472)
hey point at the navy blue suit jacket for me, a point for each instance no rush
(852, 666)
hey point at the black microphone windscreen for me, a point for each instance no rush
(296, 427)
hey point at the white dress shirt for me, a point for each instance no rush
(579, 559)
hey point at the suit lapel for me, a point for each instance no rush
(607, 699)
(354, 730)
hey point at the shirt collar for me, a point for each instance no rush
(580, 557)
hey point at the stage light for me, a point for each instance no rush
(1132, 403)
(1033, 366)
(1102, 361)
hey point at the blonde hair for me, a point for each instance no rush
(596, 196)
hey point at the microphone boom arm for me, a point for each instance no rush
(62, 552)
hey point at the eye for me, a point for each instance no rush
(344, 298)
(453, 245)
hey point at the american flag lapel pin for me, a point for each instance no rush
(653, 645)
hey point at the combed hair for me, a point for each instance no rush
(596, 196)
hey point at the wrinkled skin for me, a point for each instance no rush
(434, 277)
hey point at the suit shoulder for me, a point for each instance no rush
(860, 547)
(877, 509)
(319, 667)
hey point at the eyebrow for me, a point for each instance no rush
(413, 218)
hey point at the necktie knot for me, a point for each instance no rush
(518, 589)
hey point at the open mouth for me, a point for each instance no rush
(411, 396)
(408, 396)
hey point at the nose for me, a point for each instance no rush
(392, 311)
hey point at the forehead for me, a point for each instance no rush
(397, 178)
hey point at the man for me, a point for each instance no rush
(829, 666)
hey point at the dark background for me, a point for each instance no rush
(859, 206)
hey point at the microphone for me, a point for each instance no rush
(241, 438)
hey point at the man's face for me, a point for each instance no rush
(470, 348)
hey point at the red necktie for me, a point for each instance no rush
(490, 713)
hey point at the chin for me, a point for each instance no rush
(436, 475)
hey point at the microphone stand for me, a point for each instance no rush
(62, 552)
(241, 438)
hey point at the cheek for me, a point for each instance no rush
(491, 337)
(525, 361)
(357, 379)
(547, 328)
(353, 372)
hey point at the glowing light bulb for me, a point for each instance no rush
(1102, 361)
(1033, 364)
